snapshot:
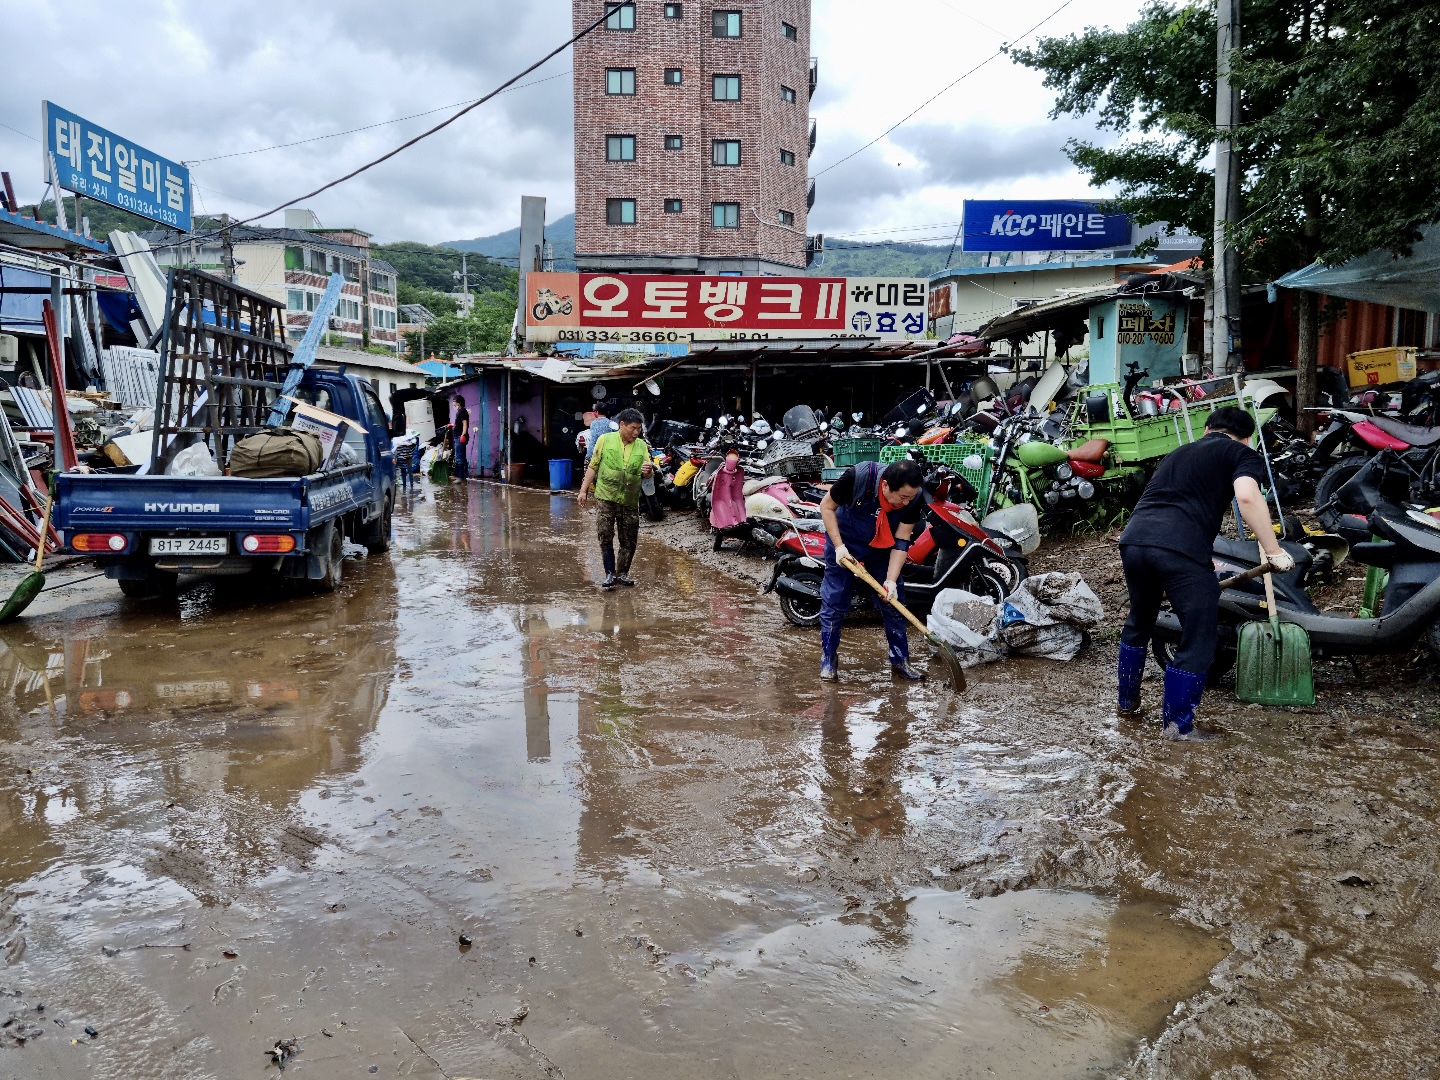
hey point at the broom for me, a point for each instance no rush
(34, 581)
(948, 659)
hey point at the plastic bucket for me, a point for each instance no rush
(515, 473)
(562, 474)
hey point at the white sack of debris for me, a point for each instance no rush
(1048, 615)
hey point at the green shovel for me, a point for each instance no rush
(34, 581)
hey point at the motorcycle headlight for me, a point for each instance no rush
(1063, 471)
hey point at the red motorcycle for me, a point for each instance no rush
(951, 551)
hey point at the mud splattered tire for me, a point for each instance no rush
(380, 540)
(802, 611)
(334, 563)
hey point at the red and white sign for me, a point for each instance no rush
(639, 308)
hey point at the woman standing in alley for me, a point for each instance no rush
(618, 466)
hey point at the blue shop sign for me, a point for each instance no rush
(100, 165)
(1041, 225)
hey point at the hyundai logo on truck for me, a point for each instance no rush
(181, 508)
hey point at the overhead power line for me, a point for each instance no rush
(945, 89)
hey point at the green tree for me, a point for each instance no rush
(431, 267)
(1339, 135)
(487, 329)
(435, 302)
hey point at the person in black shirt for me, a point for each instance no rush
(1166, 551)
(460, 436)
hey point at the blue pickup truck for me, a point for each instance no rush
(147, 530)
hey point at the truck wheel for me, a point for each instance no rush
(380, 542)
(334, 562)
(159, 583)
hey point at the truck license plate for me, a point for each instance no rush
(189, 545)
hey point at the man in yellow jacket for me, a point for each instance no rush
(619, 465)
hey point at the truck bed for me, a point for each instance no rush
(123, 502)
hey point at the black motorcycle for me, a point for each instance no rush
(1408, 548)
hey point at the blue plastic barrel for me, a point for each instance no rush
(562, 472)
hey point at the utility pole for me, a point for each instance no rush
(227, 250)
(1226, 288)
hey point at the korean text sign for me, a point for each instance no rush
(1036, 225)
(639, 308)
(101, 165)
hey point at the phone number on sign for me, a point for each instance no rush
(621, 336)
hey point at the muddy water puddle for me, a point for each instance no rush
(667, 851)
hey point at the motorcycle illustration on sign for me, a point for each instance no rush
(549, 303)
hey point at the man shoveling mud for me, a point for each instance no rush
(1166, 551)
(619, 465)
(870, 514)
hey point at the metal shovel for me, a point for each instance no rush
(34, 581)
(953, 669)
(1273, 663)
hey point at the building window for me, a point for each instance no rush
(725, 152)
(294, 299)
(786, 94)
(725, 24)
(620, 80)
(619, 147)
(725, 215)
(787, 158)
(672, 206)
(674, 142)
(294, 258)
(789, 31)
(726, 88)
(619, 211)
(673, 11)
(622, 17)
(673, 76)
(787, 218)
(310, 299)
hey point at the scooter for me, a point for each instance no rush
(953, 551)
(1409, 456)
(1408, 549)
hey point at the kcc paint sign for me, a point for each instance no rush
(1041, 225)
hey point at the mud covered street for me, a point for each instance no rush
(471, 817)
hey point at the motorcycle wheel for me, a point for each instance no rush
(1220, 667)
(540, 311)
(566, 308)
(1334, 479)
(802, 611)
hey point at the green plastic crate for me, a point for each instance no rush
(829, 476)
(949, 454)
(849, 452)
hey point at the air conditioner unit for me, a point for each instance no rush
(9, 350)
(335, 323)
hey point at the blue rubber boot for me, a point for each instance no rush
(1182, 695)
(900, 667)
(829, 655)
(1131, 671)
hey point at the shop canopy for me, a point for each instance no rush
(1411, 281)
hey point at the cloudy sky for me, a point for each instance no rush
(207, 81)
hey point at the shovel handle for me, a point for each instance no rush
(853, 565)
(1246, 575)
(44, 530)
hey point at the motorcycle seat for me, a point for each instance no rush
(1379, 553)
(1415, 436)
(1092, 450)
(752, 486)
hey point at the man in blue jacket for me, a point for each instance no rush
(870, 514)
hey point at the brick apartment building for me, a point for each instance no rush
(693, 136)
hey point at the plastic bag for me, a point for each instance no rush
(1048, 615)
(194, 460)
(964, 621)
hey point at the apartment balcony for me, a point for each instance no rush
(812, 135)
(810, 195)
(814, 74)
